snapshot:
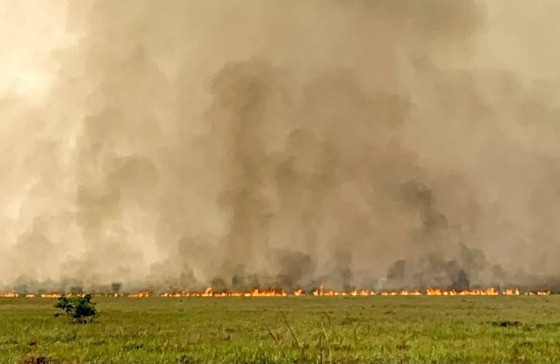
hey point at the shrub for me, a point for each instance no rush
(79, 309)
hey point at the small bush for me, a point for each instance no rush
(79, 309)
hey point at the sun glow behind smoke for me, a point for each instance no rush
(30, 34)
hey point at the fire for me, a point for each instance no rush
(538, 293)
(9, 295)
(473, 292)
(319, 292)
(51, 295)
(139, 294)
(209, 292)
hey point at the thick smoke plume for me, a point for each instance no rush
(181, 144)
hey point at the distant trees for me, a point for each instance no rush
(76, 290)
(116, 287)
(79, 309)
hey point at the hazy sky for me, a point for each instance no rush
(30, 30)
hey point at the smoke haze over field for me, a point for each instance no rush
(375, 144)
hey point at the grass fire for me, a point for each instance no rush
(319, 292)
(279, 181)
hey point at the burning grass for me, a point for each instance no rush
(320, 291)
(288, 329)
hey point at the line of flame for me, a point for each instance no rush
(209, 292)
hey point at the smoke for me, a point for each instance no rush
(355, 143)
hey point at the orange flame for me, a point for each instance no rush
(8, 295)
(51, 295)
(139, 294)
(320, 291)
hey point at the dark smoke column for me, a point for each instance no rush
(243, 93)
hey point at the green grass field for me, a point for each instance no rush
(282, 330)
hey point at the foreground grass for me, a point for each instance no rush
(296, 329)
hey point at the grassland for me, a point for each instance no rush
(296, 329)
